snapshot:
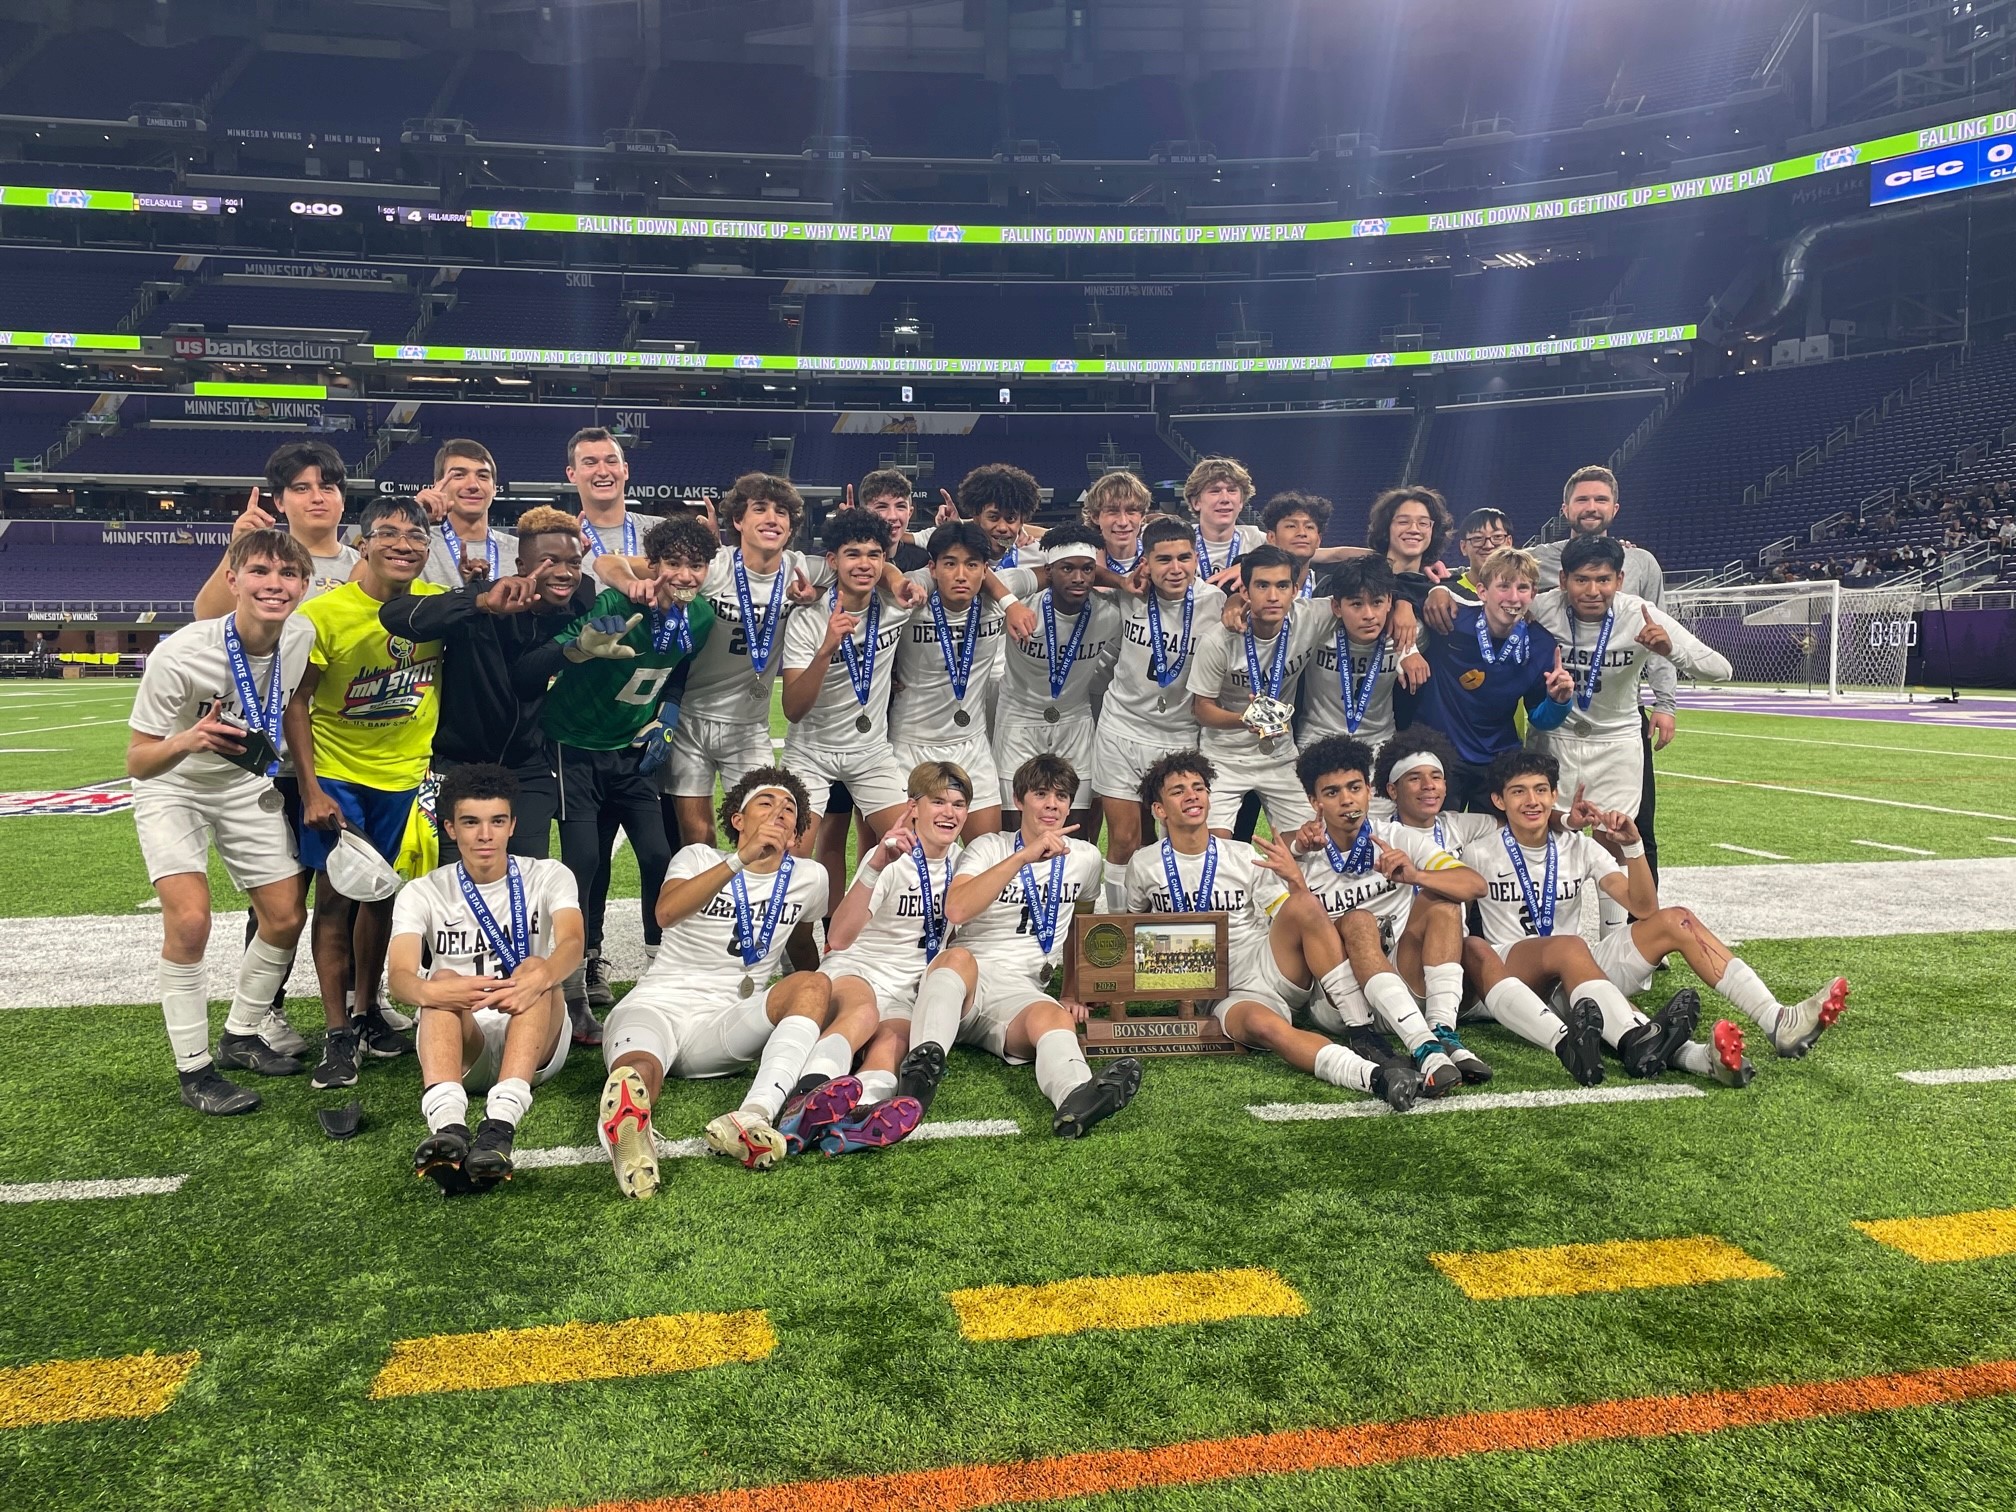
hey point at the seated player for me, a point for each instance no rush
(702, 1009)
(1373, 879)
(1278, 936)
(885, 934)
(212, 691)
(1535, 876)
(481, 948)
(1011, 901)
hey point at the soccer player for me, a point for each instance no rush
(1011, 902)
(600, 474)
(1409, 526)
(1146, 713)
(1045, 705)
(213, 692)
(1347, 688)
(465, 548)
(1235, 686)
(1491, 661)
(1278, 936)
(885, 934)
(1294, 522)
(948, 663)
(1534, 880)
(361, 726)
(1370, 878)
(613, 666)
(1001, 500)
(702, 1008)
(1481, 532)
(1216, 493)
(306, 480)
(887, 492)
(481, 948)
(1116, 505)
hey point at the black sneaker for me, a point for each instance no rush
(1581, 1048)
(207, 1092)
(1476, 1070)
(248, 1052)
(596, 974)
(1369, 1044)
(489, 1158)
(440, 1158)
(582, 1023)
(339, 1061)
(1399, 1087)
(380, 1040)
(919, 1072)
(1676, 1023)
(1098, 1099)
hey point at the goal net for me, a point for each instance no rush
(1817, 638)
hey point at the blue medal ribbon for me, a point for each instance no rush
(595, 546)
(1308, 590)
(1043, 906)
(510, 949)
(1160, 666)
(1204, 552)
(1119, 569)
(1059, 676)
(934, 904)
(1355, 705)
(668, 626)
(491, 552)
(861, 663)
(1178, 901)
(1515, 643)
(1277, 673)
(760, 636)
(1360, 859)
(959, 668)
(1593, 683)
(262, 715)
(1539, 910)
(755, 943)
(1008, 557)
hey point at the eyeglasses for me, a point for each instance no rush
(1488, 538)
(400, 537)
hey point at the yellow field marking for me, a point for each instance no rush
(988, 1313)
(548, 1356)
(82, 1391)
(1957, 1236)
(1563, 1270)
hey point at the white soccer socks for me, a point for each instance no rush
(261, 974)
(1392, 1001)
(1115, 890)
(1445, 993)
(1343, 1068)
(784, 1056)
(1341, 987)
(446, 1103)
(1742, 987)
(1515, 1005)
(1060, 1065)
(831, 1057)
(185, 1006)
(1619, 1016)
(509, 1101)
(940, 1002)
(877, 1086)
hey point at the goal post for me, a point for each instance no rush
(1818, 638)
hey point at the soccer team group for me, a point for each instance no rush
(403, 720)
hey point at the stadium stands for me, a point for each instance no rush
(506, 307)
(53, 290)
(1347, 457)
(195, 451)
(383, 313)
(313, 92)
(38, 568)
(99, 75)
(1514, 456)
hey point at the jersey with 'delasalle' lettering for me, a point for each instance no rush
(453, 942)
(1505, 913)
(1003, 936)
(702, 953)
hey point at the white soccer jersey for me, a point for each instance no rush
(1241, 888)
(1454, 832)
(1218, 672)
(444, 556)
(1502, 910)
(1323, 692)
(1215, 557)
(702, 953)
(1133, 695)
(1342, 891)
(453, 942)
(891, 943)
(625, 539)
(188, 674)
(924, 708)
(723, 685)
(1612, 712)
(1025, 685)
(1003, 937)
(836, 711)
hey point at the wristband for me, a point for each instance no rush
(1633, 851)
(1006, 599)
(735, 863)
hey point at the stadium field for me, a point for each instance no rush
(1248, 1290)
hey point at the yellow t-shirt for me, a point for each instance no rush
(375, 709)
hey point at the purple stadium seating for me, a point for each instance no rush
(195, 451)
(1346, 457)
(35, 569)
(1514, 456)
(99, 74)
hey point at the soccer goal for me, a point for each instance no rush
(1817, 638)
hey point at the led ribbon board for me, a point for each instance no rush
(1569, 207)
(1026, 367)
(69, 339)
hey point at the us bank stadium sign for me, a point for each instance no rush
(259, 348)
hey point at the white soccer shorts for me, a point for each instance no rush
(1279, 788)
(704, 749)
(694, 1033)
(998, 1001)
(1018, 736)
(1610, 773)
(483, 1074)
(1121, 756)
(869, 770)
(1255, 978)
(895, 997)
(1617, 956)
(972, 752)
(177, 829)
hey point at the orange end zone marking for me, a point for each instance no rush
(958, 1488)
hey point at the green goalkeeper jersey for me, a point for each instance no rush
(601, 704)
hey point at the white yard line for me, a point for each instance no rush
(1908, 850)
(2001, 839)
(51, 729)
(1744, 850)
(1480, 1102)
(1773, 787)
(1958, 1076)
(686, 1149)
(1850, 745)
(82, 1191)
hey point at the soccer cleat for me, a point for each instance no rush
(281, 1035)
(1732, 1068)
(1800, 1025)
(1439, 1075)
(1369, 1044)
(1399, 1087)
(207, 1092)
(1476, 1070)
(1676, 1023)
(379, 1039)
(874, 1127)
(339, 1061)
(440, 1157)
(248, 1052)
(747, 1138)
(596, 974)
(1581, 1048)
(586, 1029)
(1639, 1049)
(807, 1115)
(626, 1132)
(1098, 1099)
(489, 1159)
(919, 1073)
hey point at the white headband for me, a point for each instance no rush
(1069, 550)
(1414, 763)
(770, 787)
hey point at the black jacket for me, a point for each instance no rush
(494, 670)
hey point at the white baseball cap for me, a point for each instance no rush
(357, 871)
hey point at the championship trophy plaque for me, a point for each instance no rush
(1118, 959)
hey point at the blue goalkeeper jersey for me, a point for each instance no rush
(1472, 701)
